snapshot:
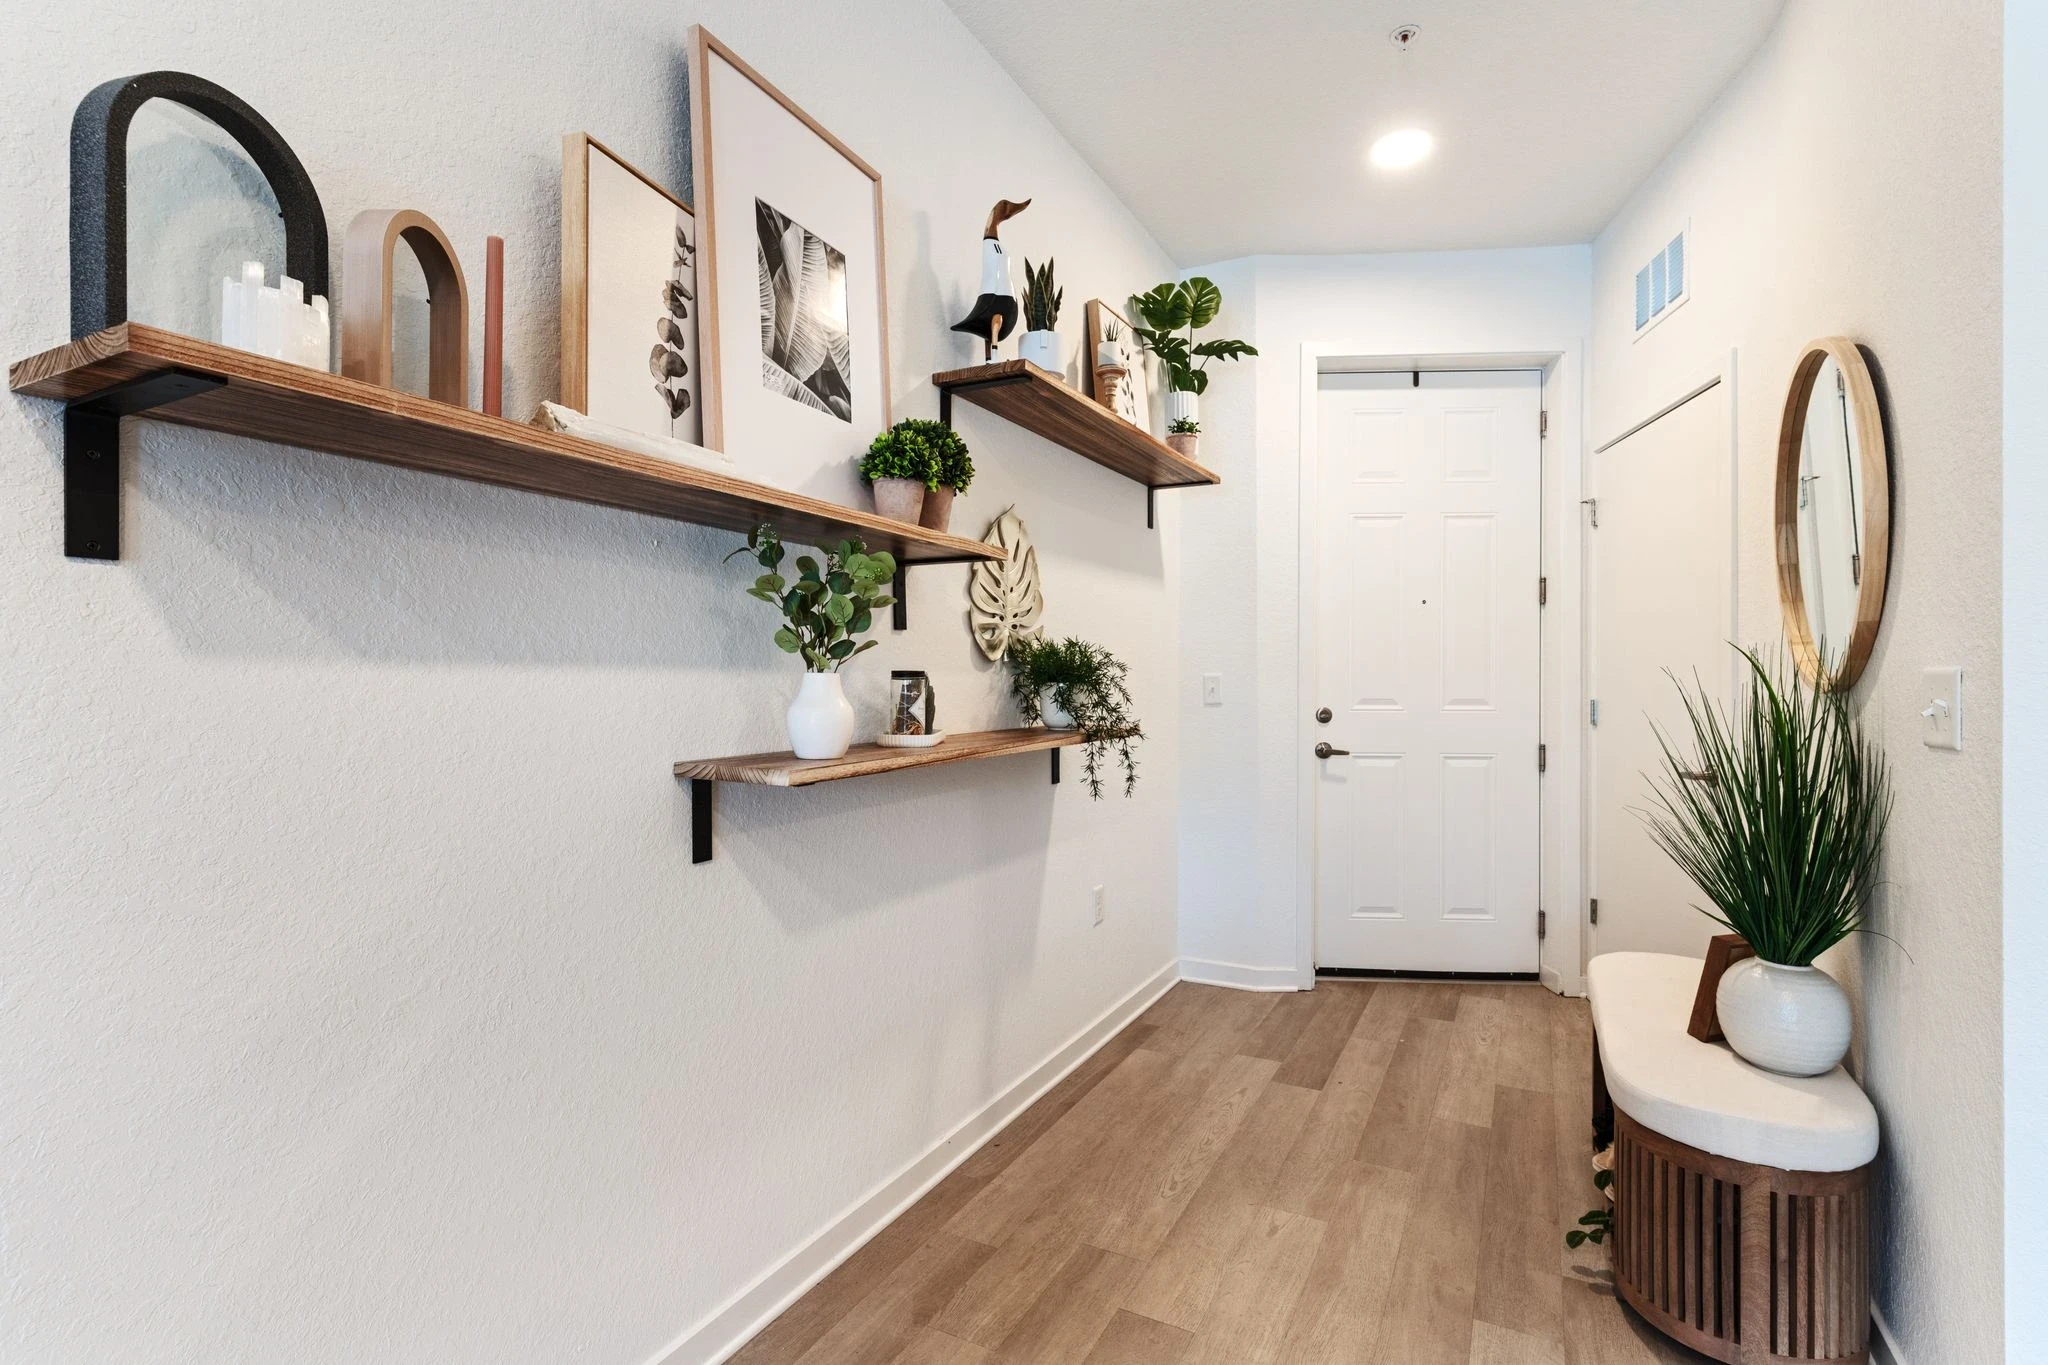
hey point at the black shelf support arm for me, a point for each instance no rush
(700, 819)
(92, 456)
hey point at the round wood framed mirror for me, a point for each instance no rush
(1834, 513)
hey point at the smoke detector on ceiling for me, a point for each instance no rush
(1404, 37)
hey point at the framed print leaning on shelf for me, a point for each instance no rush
(629, 284)
(792, 281)
(1129, 397)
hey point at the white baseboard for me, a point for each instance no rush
(1884, 1348)
(1558, 983)
(1239, 976)
(730, 1327)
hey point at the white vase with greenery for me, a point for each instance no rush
(1779, 816)
(1073, 685)
(1173, 312)
(829, 603)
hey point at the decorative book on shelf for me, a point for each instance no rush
(129, 369)
(1041, 404)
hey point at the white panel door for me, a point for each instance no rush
(1662, 560)
(1427, 637)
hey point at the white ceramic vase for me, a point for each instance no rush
(1792, 1020)
(821, 718)
(1109, 355)
(1043, 350)
(1180, 404)
(1050, 712)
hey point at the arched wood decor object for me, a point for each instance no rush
(366, 302)
(99, 189)
(1874, 466)
(1745, 1263)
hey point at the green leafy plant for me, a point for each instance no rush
(1595, 1226)
(1087, 682)
(1183, 426)
(919, 448)
(1779, 816)
(1187, 305)
(829, 603)
(1041, 300)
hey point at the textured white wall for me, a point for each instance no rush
(1240, 770)
(1848, 182)
(2026, 681)
(360, 1001)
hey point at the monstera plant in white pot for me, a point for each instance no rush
(1779, 815)
(1173, 313)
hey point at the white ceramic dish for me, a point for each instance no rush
(910, 741)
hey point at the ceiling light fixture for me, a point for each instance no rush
(1400, 150)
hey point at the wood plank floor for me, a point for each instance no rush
(1366, 1172)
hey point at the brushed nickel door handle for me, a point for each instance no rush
(1325, 751)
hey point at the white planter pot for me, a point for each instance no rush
(821, 718)
(1049, 711)
(1109, 355)
(1179, 405)
(1043, 350)
(1792, 1020)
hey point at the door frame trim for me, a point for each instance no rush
(1561, 797)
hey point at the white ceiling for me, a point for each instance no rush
(1235, 128)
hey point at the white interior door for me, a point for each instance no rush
(1429, 545)
(1662, 560)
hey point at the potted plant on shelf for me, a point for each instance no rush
(830, 603)
(1780, 818)
(1168, 310)
(1040, 344)
(1181, 434)
(952, 471)
(901, 467)
(1073, 685)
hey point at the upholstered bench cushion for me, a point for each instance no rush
(1702, 1094)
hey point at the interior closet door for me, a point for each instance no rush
(1427, 639)
(1662, 560)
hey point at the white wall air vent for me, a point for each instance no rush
(1664, 283)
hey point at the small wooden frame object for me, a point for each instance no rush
(1745, 1263)
(366, 302)
(1723, 952)
(494, 326)
(1874, 467)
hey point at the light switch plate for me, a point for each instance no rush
(1941, 715)
(1212, 689)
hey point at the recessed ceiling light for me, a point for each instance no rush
(1398, 151)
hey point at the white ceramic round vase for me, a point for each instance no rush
(1043, 350)
(1051, 713)
(1180, 404)
(1792, 1020)
(821, 718)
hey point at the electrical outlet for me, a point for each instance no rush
(1100, 905)
(1212, 689)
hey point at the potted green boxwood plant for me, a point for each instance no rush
(1071, 684)
(831, 601)
(952, 471)
(1779, 816)
(1040, 343)
(1168, 310)
(901, 467)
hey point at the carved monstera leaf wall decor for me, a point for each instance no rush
(1004, 599)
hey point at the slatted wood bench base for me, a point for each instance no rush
(1744, 1263)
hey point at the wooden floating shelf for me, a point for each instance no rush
(862, 760)
(1040, 403)
(243, 394)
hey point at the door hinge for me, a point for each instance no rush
(1593, 909)
(1543, 591)
(1592, 506)
(1593, 713)
(1542, 925)
(1543, 422)
(1543, 758)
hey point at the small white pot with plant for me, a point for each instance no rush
(1040, 343)
(1182, 433)
(1073, 685)
(831, 601)
(1779, 816)
(916, 467)
(1169, 310)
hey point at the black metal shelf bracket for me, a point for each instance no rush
(1055, 767)
(92, 456)
(700, 819)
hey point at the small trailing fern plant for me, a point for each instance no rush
(1087, 682)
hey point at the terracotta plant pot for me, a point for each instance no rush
(1183, 443)
(938, 509)
(900, 499)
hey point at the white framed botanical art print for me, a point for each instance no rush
(630, 349)
(792, 282)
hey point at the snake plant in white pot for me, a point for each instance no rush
(1779, 815)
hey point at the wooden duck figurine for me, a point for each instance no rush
(996, 310)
